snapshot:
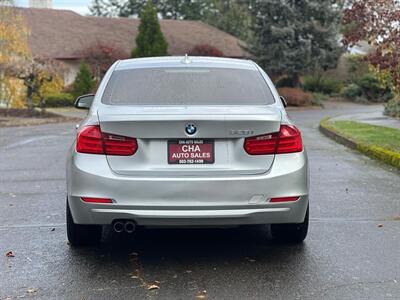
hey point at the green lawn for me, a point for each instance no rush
(388, 138)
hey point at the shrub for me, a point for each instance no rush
(295, 96)
(318, 98)
(372, 88)
(52, 87)
(357, 66)
(284, 82)
(392, 108)
(352, 91)
(205, 50)
(84, 83)
(59, 100)
(319, 84)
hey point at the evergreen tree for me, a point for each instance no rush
(150, 40)
(231, 16)
(295, 36)
(168, 9)
(83, 84)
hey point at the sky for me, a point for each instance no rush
(79, 6)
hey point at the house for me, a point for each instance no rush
(63, 35)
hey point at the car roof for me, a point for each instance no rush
(185, 61)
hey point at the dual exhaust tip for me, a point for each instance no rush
(127, 226)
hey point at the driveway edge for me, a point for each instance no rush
(379, 153)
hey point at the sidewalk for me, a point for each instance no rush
(373, 117)
(69, 112)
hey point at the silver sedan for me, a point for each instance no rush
(186, 141)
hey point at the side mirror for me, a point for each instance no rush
(84, 102)
(283, 101)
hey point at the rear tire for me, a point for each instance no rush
(81, 235)
(292, 233)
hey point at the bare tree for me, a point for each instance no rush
(34, 72)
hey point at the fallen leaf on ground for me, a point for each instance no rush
(10, 254)
(250, 259)
(153, 287)
(202, 295)
(31, 290)
(380, 225)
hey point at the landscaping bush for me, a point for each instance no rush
(295, 96)
(52, 87)
(357, 66)
(284, 82)
(84, 83)
(59, 100)
(205, 50)
(372, 89)
(392, 108)
(319, 84)
(352, 91)
(318, 99)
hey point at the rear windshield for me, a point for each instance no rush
(187, 86)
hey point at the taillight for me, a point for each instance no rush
(119, 145)
(287, 140)
(284, 199)
(91, 140)
(96, 200)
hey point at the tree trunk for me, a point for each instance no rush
(29, 98)
(2, 89)
(296, 80)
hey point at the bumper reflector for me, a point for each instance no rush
(96, 200)
(284, 199)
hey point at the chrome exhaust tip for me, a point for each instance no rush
(130, 226)
(118, 227)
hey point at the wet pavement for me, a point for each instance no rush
(352, 250)
(374, 116)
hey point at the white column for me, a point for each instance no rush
(41, 3)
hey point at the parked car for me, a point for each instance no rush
(193, 141)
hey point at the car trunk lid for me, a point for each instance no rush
(223, 127)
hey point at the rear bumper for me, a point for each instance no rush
(188, 201)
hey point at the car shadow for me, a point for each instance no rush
(213, 245)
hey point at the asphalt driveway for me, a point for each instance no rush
(352, 251)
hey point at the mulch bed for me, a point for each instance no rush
(26, 113)
(15, 117)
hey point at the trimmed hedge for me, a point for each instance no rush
(59, 100)
(390, 157)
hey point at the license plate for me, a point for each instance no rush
(191, 152)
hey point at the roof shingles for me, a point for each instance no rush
(63, 34)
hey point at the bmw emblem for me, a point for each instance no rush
(190, 129)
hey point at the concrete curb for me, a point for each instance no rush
(376, 152)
